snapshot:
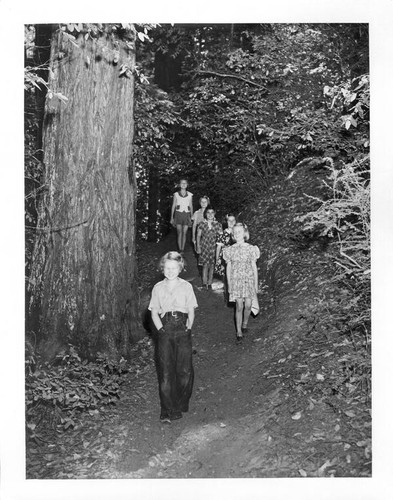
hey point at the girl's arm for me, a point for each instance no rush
(255, 273)
(218, 243)
(156, 319)
(218, 250)
(194, 226)
(173, 209)
(191, 208)
(198, 241)
(229, 267)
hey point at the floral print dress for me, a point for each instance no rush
(208, 241)
(224, 239)
(241, 256)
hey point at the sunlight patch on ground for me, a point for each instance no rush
(185, 447)
(199, 437)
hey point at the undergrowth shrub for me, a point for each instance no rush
(56, 394)
(344, 217)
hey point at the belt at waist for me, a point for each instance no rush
(174, 315)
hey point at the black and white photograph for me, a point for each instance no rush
(202, 294)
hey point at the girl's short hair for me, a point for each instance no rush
(175, 256)
(183, 179)
(245, 229)
(209, 207)
(204, 198)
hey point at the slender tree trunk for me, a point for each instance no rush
(154, 203)
(41, 60)
(83, 275)
(231, 32)
(34, 116)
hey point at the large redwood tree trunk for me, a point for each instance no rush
(83, 279)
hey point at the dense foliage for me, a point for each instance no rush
(254, 100)
(57, 393)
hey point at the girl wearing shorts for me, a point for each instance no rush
(181, 213)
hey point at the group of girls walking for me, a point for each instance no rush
(173, 302)
(224, 251)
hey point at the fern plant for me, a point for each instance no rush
(344, 217)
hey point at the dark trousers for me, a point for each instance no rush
(174, 365)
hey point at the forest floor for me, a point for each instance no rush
(283, 403)
(256, 409)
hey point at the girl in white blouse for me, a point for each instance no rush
(172, 307)
(181, 213)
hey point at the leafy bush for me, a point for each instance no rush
(344, 217)
(57, 394)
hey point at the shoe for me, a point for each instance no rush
(244, 329)
(239, 338)
(176, 415)
(209, 287)
(165, 419)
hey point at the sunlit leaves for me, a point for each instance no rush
(57, 95)
(33, 80)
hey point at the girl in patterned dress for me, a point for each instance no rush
(224, 239)
(208, 230)
(197, 218)
(242, 276)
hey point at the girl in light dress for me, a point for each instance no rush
(207, 233)
(181, 213)
(242, 276)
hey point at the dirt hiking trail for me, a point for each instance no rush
(253, 412)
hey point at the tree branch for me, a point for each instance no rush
(223, 75)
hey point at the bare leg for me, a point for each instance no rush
(239, 316)
(204, 274)
(210, 271)
(184, 237)
(247, 311)
(179, 229)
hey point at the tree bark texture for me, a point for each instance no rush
(83, 278)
